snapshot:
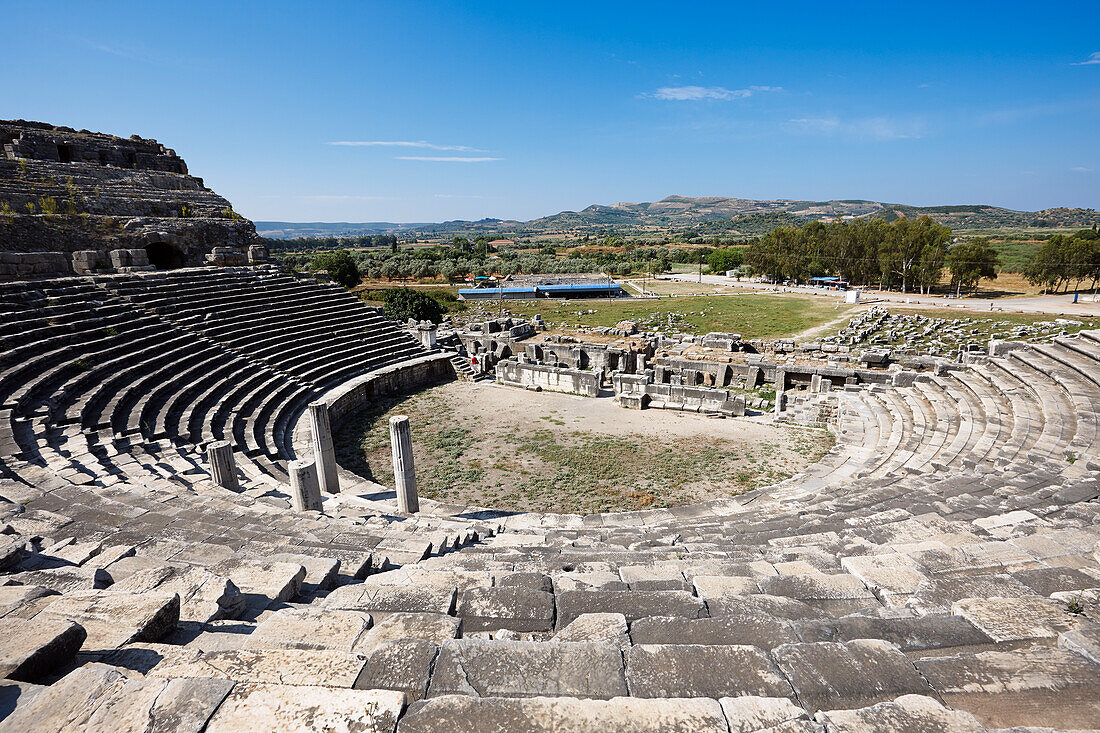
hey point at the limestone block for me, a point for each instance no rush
(937, 595)
(1013, 619)
(828, 676)
(907, 633)
(97, 698)
(723, 586)
(747, 627)
(404, 665)
(258, 708)
(66, 579)
(31, 649)
(262, 581)
(693, 670)
(382, 599)
(1046, 581)
(431, 627)
(1034, 685)
(11, 552)
(751, 713)
(113, 618)
(517, 609)
(204, 596)
(17, 600)
(528, 669)
(533, 581)
(837, 594)
(606, 628)
(547, 715)
(907, 714)
(1085, 642)
(632, 604)
(310, 628)
(266, 666)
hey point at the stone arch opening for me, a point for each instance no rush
(164, 256)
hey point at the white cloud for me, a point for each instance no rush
(1094, 58)
(348, 197)
(692, 93)
(445, 159)
(1081, 169)
(404, 144)
(870, 128)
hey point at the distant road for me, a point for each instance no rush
(1055, 305)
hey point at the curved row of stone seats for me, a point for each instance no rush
(232, 396)
(960, 599)
(316, 333)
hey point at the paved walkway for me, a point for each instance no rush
(1056, 305)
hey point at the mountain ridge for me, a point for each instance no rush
(717, 213)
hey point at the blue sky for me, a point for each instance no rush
(518, 110)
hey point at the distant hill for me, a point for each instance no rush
(704, 214)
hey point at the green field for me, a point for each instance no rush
(752, 316)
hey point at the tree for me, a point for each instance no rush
(970, 262)
(340, 266)
(725, 258)
(401, 304)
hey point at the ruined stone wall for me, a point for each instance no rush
(65, 191)
(550, 378)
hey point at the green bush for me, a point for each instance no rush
(401, 304)
(340, 266)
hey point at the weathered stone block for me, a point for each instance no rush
(528, 669)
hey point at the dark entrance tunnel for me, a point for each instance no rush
(164, 256)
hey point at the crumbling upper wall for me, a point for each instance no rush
(26, 140)
(68, 191)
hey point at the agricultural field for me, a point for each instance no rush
(751, 315)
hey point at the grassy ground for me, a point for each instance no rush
(571, 455)
(752, 316)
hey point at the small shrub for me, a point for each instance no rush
(340, 266)
(111, 331)
(1075, 607)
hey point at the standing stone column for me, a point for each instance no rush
(323, 453)
(780, 390)
(223, 469)
(404, 473)
(305, 490)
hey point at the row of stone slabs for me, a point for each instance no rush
(99, 697)
(297, 690)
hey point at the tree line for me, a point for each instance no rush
(1064, 260)
(903, 254)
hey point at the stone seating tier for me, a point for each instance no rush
(939, 570)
